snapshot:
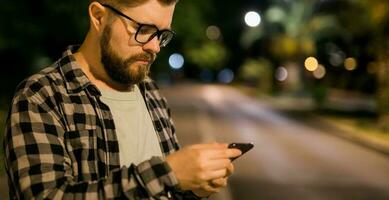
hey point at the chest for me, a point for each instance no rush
(90, 136)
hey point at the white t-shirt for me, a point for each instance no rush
(136, 135)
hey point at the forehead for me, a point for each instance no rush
(152, 12)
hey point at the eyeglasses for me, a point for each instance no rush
(146, 32)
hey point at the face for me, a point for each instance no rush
(124, 70)
(124, 59)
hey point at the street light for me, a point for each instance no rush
(252, 19)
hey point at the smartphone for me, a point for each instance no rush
(243, 147)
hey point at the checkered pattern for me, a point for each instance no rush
(60, 141)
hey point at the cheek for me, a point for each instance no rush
(119, 41)
(124, 43)
(119, 36)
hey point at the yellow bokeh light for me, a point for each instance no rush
(311, 64)
(350, 64)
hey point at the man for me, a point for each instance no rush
(94, 126)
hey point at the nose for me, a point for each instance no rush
(152, 46)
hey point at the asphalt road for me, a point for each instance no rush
(290, 160)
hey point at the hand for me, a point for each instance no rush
(215, 185)
(196, 165)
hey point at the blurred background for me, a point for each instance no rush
(306, 81)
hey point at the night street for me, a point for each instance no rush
(306, 82)
(290, 160)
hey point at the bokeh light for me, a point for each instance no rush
(226, 76)
(281, 74)
(252, 19)
(275, 14)
(320, 72)
(350, 64)
(311, 64)
(213, 32)
(337, 59)
(176, 61)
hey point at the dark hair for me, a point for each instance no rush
(132, 3)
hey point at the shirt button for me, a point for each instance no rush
(159, 127)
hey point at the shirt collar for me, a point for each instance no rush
(75, 78)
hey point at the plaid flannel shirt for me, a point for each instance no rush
(60, 141)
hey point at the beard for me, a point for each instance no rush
(124, 71)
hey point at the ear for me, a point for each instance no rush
(97, 15)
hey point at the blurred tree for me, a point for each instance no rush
(293, 29)
(379, 47)
(258, 73)
(192, 18)
(210, 55)
(33, 34)
(369, 20)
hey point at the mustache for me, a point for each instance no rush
(143, 56)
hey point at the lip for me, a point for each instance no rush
(143, 61)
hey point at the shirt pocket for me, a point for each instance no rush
(81, 146)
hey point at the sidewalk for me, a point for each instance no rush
(303, 110)
(369, 138)
(342, 127)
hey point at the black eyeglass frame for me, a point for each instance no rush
(158, 33)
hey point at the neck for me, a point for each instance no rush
(89, 59)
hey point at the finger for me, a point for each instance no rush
(208, 146)
(220, 182)
(232, 153)
(210, 151)
(209, 188)
(217, 164)
(224, 153)
(217, 153)
(230, 169)
(217, 174)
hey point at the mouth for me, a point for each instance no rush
(143, 61)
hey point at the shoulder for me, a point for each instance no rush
(38, 87)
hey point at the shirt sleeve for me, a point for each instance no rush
(39, 165)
